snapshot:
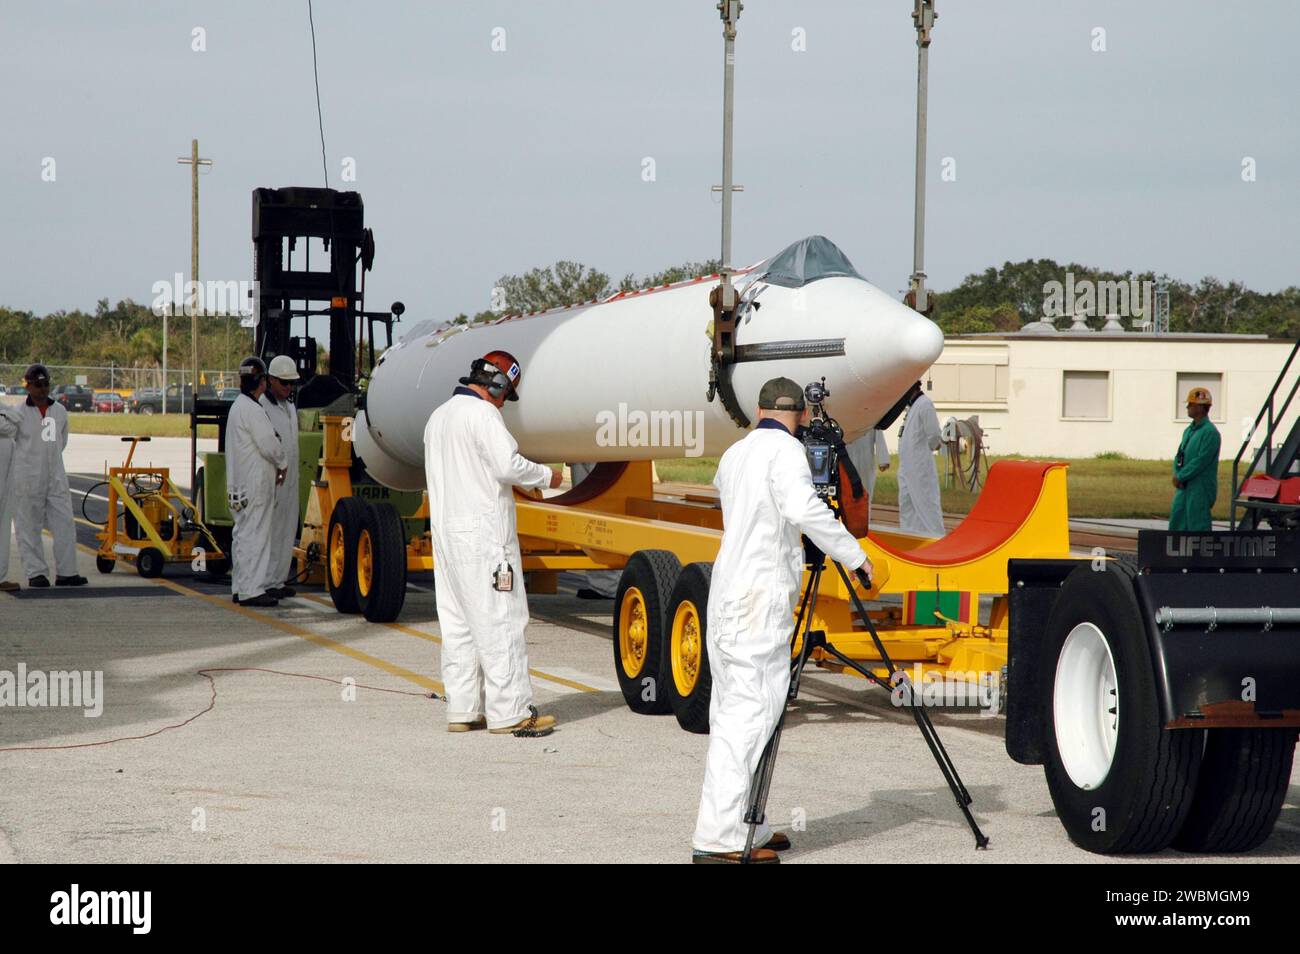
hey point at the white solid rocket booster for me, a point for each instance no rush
(627, 378)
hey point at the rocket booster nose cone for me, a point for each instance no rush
(920, 341)
(889, 346)
(891, 341)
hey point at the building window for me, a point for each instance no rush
(969, 383)
(1199, 379)
(1085, 395)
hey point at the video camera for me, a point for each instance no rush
(823, 441)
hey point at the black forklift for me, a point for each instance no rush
(287, 287)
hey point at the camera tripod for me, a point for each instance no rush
(815, 560)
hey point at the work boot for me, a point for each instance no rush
(282, 592)
(38, 582)
(532, 727)
(266, 599)
(8, 586)
(778, 842)
(759, 856)
(70, 581)
(479, 723)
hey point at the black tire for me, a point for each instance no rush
(640, 622)
(383, 534)
(688, 683)
(146, 409)
(104, 564)
(149, 563)
(1139, 800)
(1244, 778)
(341, 554)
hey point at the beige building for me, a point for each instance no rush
(1048, 393)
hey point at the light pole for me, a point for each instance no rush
(193, 161)
(722, 299)
(923, 16)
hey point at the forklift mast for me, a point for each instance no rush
(289, 286)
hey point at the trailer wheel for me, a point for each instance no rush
(341, 553)
(641, 605)
(104, 564)
(1244, 778)
(149, 563)
(1121, 783)
(687, 679)
(381, 563)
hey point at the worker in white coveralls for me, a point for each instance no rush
(768, 500)
(255, 466)
(10, 417)
(471, 463)
(919, 510)
(41, 499)
(869, 454)
(277, 400)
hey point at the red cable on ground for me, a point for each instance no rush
(207, 674)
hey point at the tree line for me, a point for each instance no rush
(126, 337)
(129, 336)
(1004, 299)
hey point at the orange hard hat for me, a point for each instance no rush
(1199, 396)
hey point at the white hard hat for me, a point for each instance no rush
(282, 367)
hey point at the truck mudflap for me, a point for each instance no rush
(1031, 593)
(1222, 614)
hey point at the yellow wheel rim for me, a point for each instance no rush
(338, 556)
(687, 647)
(633, 632)
(365, 563)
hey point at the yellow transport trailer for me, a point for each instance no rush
(363, 550)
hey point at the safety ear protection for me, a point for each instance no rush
(492, 378)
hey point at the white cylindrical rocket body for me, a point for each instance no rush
(627, 378)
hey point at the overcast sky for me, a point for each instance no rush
(474, 162)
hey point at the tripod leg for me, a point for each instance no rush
(937, 750)
(923, 722)
(762, 783)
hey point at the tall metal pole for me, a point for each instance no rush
(167, 310)
(923, 16)
(729, 10)
(722, 299)
(193, 161)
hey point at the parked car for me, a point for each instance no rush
(109, 402)
(228, 394)
(150, 400)
(19, 390)
(74, 397)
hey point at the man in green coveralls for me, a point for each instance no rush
(1196, 467)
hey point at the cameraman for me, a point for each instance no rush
(767, 501)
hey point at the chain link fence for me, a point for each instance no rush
(125, 381)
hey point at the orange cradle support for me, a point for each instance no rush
(1022, 513)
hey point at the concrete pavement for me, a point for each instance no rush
(297, 764)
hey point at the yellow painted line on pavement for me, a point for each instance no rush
(286, 627)
(328, 643)
(419, 634)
